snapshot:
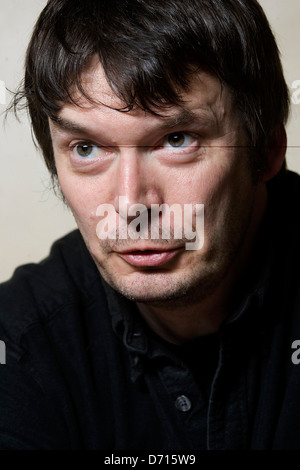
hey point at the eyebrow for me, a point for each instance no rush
(67, 125)
(183, 118)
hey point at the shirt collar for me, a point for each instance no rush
(126, 321)
(142, 344)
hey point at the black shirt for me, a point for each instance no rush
(83, 371)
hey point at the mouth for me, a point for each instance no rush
(149, 258)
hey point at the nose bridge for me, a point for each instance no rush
(136, 180)
(130, 184)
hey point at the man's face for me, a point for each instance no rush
(194, 154)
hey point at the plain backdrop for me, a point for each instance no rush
(32, 217)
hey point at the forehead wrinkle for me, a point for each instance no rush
(183, 118)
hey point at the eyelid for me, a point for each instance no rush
(83, 142)
(103, 148)
(98, 153)
(108, 149)
(172, 155)
(186, 134)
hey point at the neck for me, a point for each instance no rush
(179, 324)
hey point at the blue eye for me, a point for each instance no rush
(86, 150)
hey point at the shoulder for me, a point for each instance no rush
(284, 214)
(281, 242)
(285, 188)
(36, 291)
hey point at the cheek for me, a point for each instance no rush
(82, 199)
(204, 183)
(223, 188)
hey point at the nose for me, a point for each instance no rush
(136, 182)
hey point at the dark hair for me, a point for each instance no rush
(149, 49)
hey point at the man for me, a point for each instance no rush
(128, 338)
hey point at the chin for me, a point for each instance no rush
(151, 297)
(160, 288)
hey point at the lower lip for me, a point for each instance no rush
(151, 258)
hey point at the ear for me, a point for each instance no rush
(276, 154)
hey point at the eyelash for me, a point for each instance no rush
(165, 149)
(185, 146)
(84, 144)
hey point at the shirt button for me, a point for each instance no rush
(183, 403)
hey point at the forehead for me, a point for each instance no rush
(205, 91)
